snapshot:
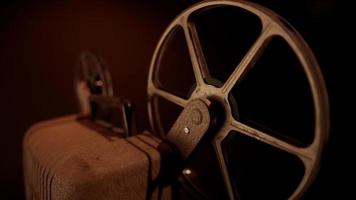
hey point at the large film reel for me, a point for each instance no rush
(272, 26)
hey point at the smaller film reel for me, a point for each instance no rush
(91, 78)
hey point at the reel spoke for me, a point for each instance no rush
(304, 154)
(223, 167)
(170, 97)
(266, 138)
(249, 59)
(200, 68)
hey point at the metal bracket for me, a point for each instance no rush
(190, 126)
(114, 113)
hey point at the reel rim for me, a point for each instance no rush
(272, 25)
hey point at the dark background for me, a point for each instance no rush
(40, 42)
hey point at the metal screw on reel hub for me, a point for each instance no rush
(272, 25)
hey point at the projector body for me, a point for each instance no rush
(71, 158)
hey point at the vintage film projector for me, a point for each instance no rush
(228, 134)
